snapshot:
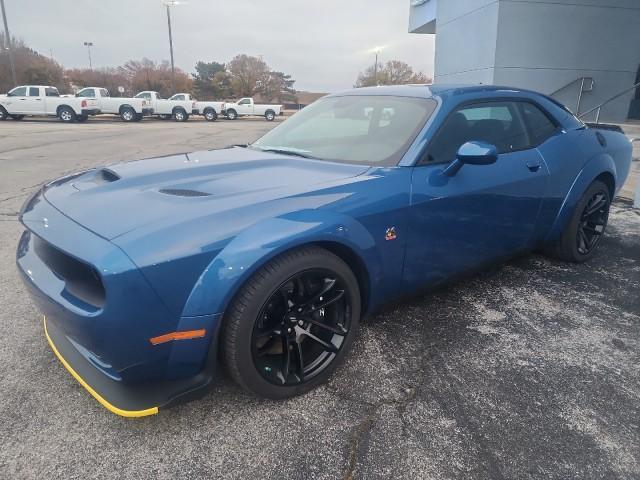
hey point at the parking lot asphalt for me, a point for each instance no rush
(529, 370)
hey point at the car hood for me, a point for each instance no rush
(121, 198)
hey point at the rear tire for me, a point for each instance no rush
(302, 347)
(128, 114)
(210, 115)
(587, 225)
(232, 114)
(270, 115)
(66, 114)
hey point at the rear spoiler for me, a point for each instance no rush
(605, 126)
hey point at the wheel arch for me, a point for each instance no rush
(234, 265)
(60, 107)
(209, 109)
(601, 167)
(125, 105)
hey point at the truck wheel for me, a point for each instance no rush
(3, 114)
(17, 117)
(179, 115)
(210, 115)
(66, 114)
(128, 114)
(82, 118)
(269, 115)
(232, 114)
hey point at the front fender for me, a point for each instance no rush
(251, 249)
(597, 165)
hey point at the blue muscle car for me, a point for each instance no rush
(267, 255)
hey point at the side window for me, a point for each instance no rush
(538, 123)
(19, 92)
(34, 91)
(51, 92)
(497, 123)
(104, 92)
(244, 101)
(178, 97)
(86, 93)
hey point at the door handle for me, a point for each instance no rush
(533, 165)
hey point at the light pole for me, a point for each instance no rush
(8, 38)
(89, 45)
(377, 51)
(169, 4)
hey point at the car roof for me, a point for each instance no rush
(429, 91)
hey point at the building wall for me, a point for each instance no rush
(542, 45)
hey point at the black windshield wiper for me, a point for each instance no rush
(286, 151)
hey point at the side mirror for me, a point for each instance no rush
(472, 153)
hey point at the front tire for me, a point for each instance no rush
(292, 323)
(579, 239)
(180, 115)
(232, 114)
(66, 114)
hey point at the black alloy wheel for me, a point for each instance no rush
(593, 222)
(301, 327)
(582, 233)
(292, 323)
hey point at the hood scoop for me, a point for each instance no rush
(96, 178)
(183, 192)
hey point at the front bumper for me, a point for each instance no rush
(91, 111)
(124, 400)
(106, 344)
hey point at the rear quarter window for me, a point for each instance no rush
(539, 124)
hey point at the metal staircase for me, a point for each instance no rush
(586, 85)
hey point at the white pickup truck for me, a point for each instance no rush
(179, 110)
(45, 100)
(246, 106)
(129, 109)
(209, 110)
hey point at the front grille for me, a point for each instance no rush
(82, 281)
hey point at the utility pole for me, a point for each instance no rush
(89, 45)
(173, 68)
(8, 38)
(375, 70)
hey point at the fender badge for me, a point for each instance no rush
(390, 234)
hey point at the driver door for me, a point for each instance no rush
(17, 101)
(484, 212)
(245, 107)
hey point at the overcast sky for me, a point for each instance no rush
(323, 44)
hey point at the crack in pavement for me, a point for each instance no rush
(367, 423)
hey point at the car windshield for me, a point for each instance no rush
(370, 129)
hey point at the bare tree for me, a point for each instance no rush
(394, 72)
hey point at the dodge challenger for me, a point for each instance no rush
(266, 256)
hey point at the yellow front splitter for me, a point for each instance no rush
(88, 388)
